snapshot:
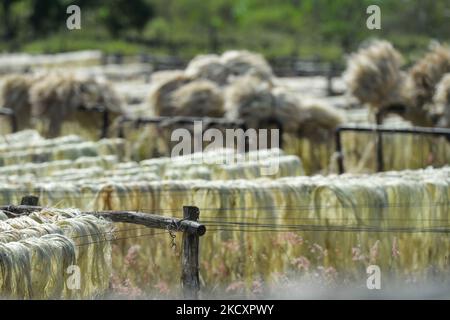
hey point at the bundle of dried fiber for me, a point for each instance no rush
(92, 236)
(161, 101)
(59, 98)
(442, 100)
(37, 231)
(163, 75)
(201, 98)
(51, 256)
(373, 75)
(319, 120)
(15, 271)
(35, 268)
(424, 76)
(19, 137)
(3, 216)
(209, 67)
(44, 143)
(250, 99)
(14, 95)
(288, 110)
(240, 63)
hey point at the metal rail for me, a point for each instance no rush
(381, 129)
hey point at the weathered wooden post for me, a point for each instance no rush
(29, 201)
(339, 152)
(190, 281)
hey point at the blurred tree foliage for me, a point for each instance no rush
(185, 27)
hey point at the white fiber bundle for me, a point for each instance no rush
(94, 251)
(200, 98)
(442, 99)
(14, 95)
(129, 72)
(374, 76)
(226, 69)
(425, 75)
(3, 216)
(319, 121)
(240, 63)
(209, 67)
(160, 99)
(37, 267)
(391, 199)
(163, 75)
(14, 62)
(58, 97)
(32, 136)
(288, 110)
(44, 143)
(70, 151)
(47, 168)
(15, 271)
(250, 99)
(49, 237)
(17, 234)
(262, 106)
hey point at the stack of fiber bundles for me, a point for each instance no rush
(40, 252)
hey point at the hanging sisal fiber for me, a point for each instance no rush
(58, 98)
(319, 121)
(219, 164)
(70, 151)
(37, 251)
(442, 99)
(225, 69)
(209, 67)
(201, 98)
(40, 143)
(408, 199)
(160, 98)
(424, 76)
(240, 63)
(262, 106)
(14, 95)
(19, 137)
(405, 199)
(250, 99)
(47, 168)
(374, 76)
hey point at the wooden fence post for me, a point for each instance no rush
(190, 281)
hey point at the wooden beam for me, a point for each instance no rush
(146, 219)
(153, 221)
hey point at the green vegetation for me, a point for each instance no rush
(307, 28)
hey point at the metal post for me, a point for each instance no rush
(190, 281)
(380, 164)
(340, 156)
